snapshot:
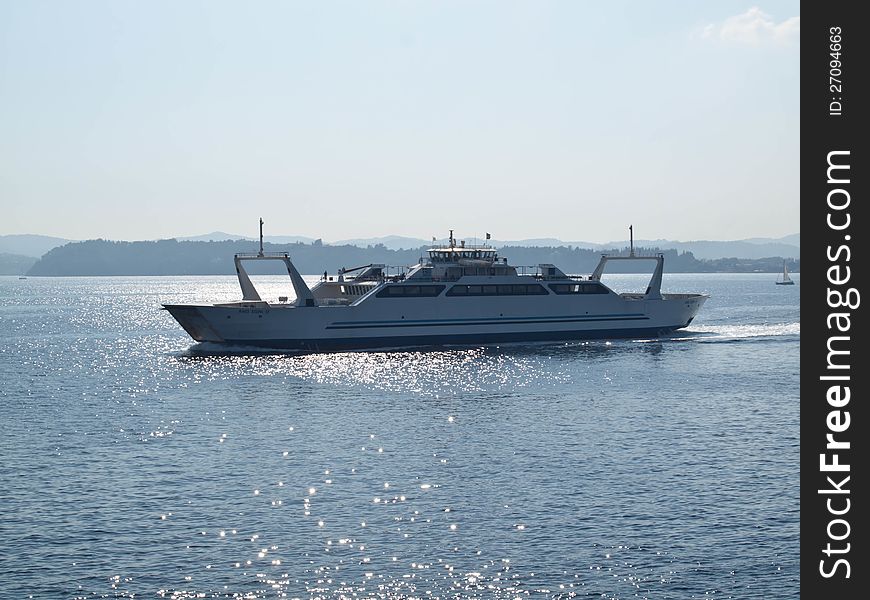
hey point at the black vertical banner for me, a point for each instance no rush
(835, 168)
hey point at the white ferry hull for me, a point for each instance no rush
(401, 322)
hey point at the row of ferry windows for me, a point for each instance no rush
(578, 288)
(416, 291)
(496, 290)
(429, 291)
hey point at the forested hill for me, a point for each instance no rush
(171, 257)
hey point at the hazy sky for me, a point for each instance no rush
(571, 119)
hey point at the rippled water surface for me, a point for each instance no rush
(138, 463)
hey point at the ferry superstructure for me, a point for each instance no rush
(460, 294)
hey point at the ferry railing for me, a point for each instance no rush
(263, 254)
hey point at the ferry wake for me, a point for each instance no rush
(461, 294)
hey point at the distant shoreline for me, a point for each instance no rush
(173, 257)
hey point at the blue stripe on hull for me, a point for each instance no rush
(500, 321)
(368, 343)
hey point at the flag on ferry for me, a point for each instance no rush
(487, 236)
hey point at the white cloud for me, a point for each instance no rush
(754, 28)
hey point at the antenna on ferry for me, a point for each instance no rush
(631, 236)
(261, 237)
(452, 243)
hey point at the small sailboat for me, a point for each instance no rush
(786, 280)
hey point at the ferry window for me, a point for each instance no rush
(458, 290)
(474, 290)
(489, 290)
(505, 290)
(578, 288)
(431, 290)
(410, 291)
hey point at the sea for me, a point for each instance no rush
(137, 463)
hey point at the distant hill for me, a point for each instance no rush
(706, 249)
(752, 248)
(15, 264)
(393, 242)
(220, 236)
(397, 242)
(792, 240)
(787, 247)
(173, 257)
(29, 245)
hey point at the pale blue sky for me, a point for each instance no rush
(139, 120)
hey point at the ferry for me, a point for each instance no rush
(458, 295)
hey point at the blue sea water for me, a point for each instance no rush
(134, 464)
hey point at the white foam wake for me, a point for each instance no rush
(746, 331)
